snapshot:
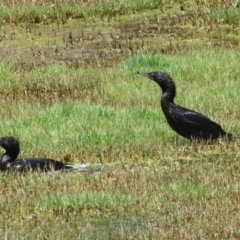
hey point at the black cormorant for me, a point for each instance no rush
(186, 122)
(9, 162)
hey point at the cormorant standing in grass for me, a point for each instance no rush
(186, 122)
(9, 162)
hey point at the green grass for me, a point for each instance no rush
(90, 128)
(97, 115)
(151, 178)
(153, 183)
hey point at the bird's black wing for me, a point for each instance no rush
(42, 164)
(196, 117)
(189, 123)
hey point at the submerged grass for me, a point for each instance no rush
(164, 201)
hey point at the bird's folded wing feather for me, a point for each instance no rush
(195, 117)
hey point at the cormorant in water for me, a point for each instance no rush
(186, 122)
(9, 162)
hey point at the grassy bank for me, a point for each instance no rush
(153, 183)
(47, 12)
(59, 12)
(69, 91)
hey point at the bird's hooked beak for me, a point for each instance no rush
(145, 75)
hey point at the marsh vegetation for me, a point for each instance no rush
(69, 91)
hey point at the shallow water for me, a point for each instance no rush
(86, 228)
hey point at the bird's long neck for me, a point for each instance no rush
(169, 92)
(7, 159)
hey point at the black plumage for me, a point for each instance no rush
(9, 162)
(186, 122)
